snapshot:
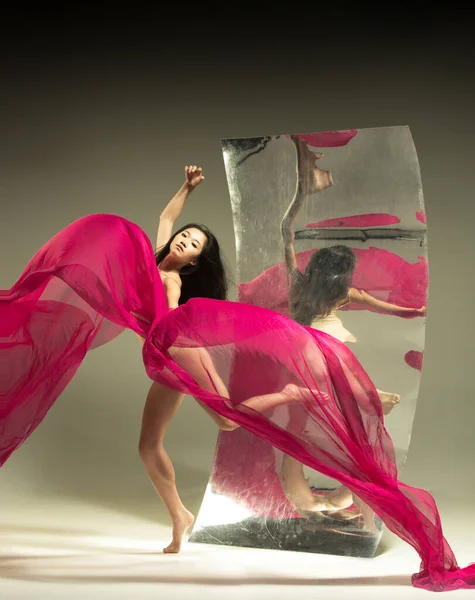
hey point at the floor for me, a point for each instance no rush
(72, 549)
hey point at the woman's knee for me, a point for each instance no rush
(226, 425)
(149, 449)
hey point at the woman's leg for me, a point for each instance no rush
(162, 403)
(197, 363)
(296, 486)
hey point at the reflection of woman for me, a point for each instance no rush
(314, 298)
(324, 288)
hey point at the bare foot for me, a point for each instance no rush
(294, 393)
(325, 510)
(181, 524)
(302, 497)
(388, 401)
(341, 499)
(305, 501)
(343, 514)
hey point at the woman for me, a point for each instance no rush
(190, 265)
(99, 276)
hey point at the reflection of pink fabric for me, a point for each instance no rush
(98, 271)
(370, 220)
(414, 359)
(251, 482)
(381, 273)
(268, 499)
(328, 139)
(421, 216)
(237, 479)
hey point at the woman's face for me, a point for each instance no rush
(187, 245)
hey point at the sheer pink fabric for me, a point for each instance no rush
(381, 273)
(328, 139)
(368, 220)
(414, 358)
(78, 292)
(421, 216)
(252, 481)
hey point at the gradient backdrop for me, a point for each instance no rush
(97, 127)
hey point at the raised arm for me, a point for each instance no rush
(286, 226)
(193, 177)
(365, 299)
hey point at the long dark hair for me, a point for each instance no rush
(207, 278)
(325, 282)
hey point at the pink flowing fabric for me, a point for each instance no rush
(79, 292)
(251, 481)
(328, 139)
(414, 358)
(421, 216)
(368, 220)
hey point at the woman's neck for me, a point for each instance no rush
(168, 265)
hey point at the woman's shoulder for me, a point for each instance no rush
(171, 276)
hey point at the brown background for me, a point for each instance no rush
(109, 136)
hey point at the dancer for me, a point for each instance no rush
(92, 279)
(190, 265)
